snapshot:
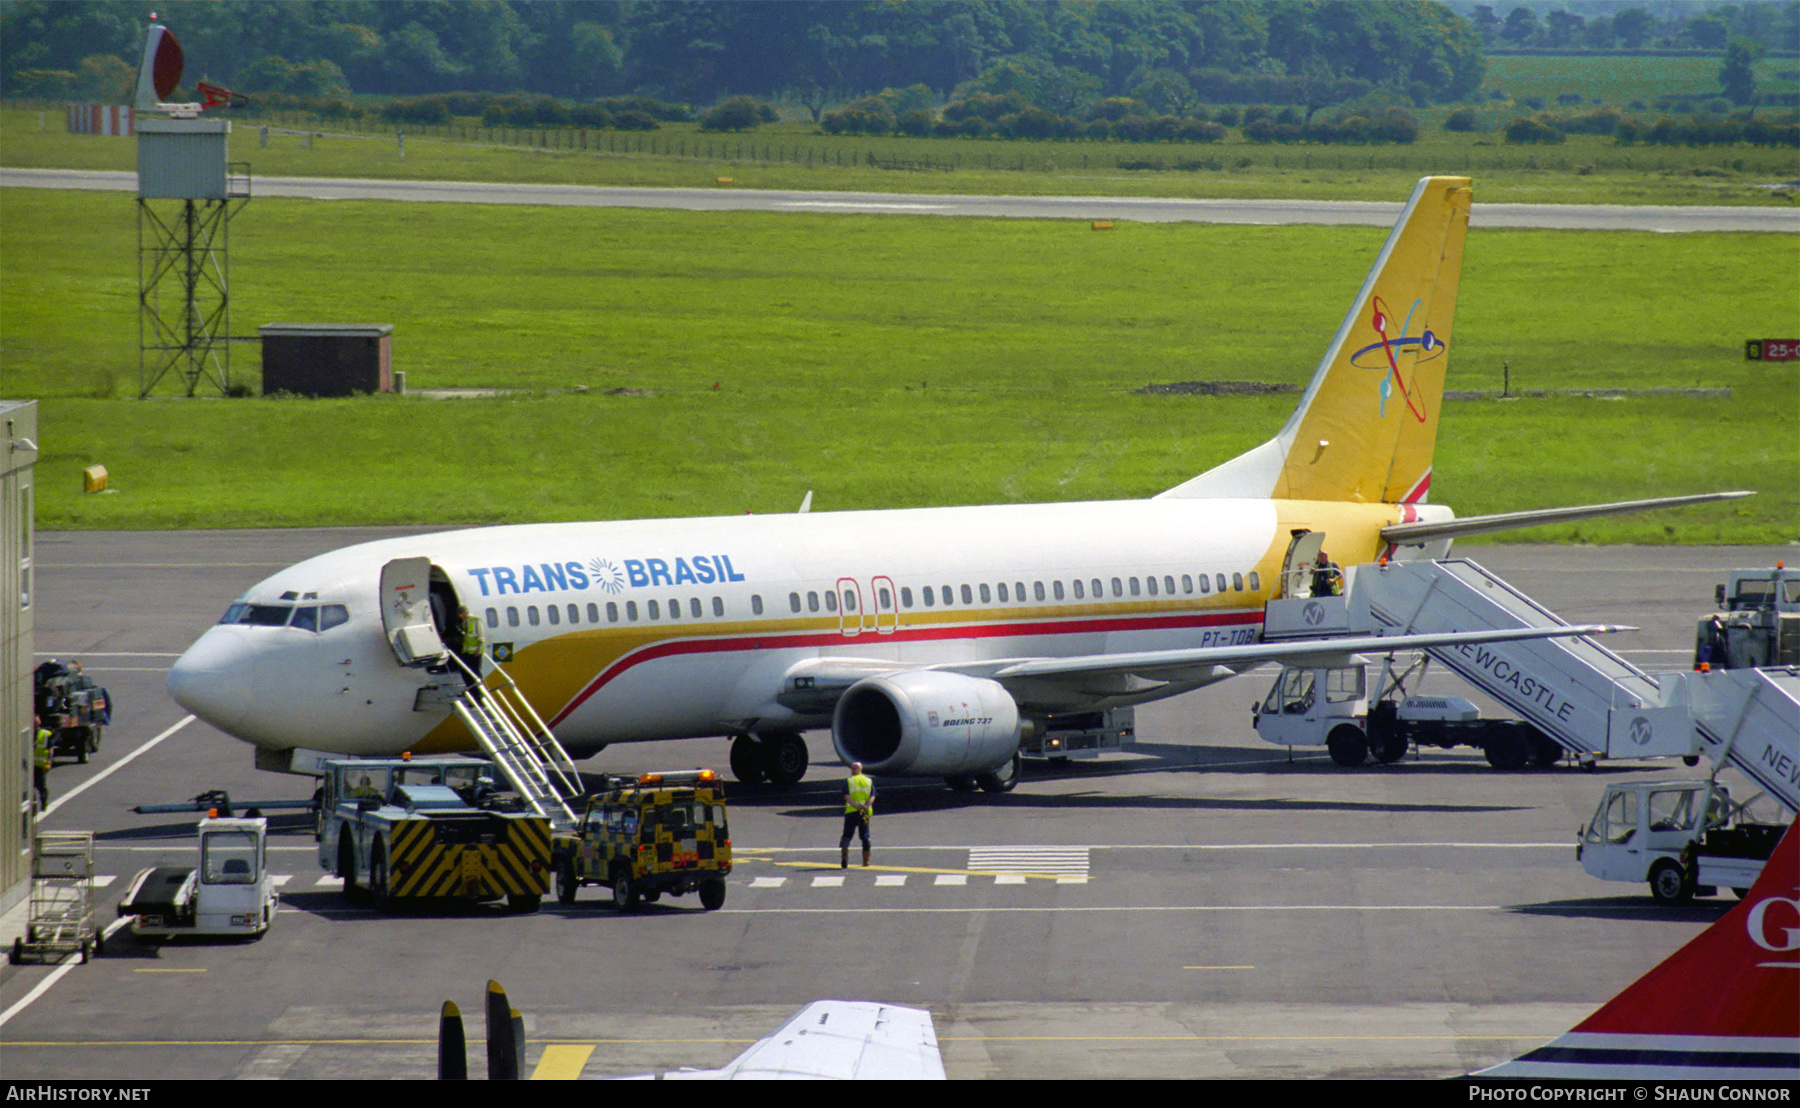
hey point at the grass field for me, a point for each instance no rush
(1618, 80)
(880, 360)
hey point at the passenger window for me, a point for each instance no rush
(1037, 590)
(1134, 586)
(794, 601)
(1079, 595)
(1237, 582)
(1221, 580)
(555, 616)
(594, 612)
(1056, 589)
(849, 601)
(1019, 590)
(1187, 583)
(1169, 584)
(512, 617)
(968, 596)
(831, 601)
(1003, 596)
(655, 609)
(1099, 592)
(575, 613)
(718, 606)
(531, 615)
(987, 594)
(929, 594)
(493, 616)
(1255, 582)
(885, 599)
(812, 601)
(756, 603)
(1151, 581)
(612, 611)
(906, 596)
(1118, 588)
(1205, 584)
(675, 608)
(947, 597)
(631, 610)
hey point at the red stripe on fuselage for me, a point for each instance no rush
(788, 640)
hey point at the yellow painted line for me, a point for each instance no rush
(562, 1063)
(1218, 967)
(10, 1044)
(823, 867)
(171, 970)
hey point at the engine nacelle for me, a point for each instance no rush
(926, 723)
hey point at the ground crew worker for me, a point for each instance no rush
(1328, 579)
(859, 806)
(40, 762)
(471, 644)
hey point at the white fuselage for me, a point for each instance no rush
(657, 629)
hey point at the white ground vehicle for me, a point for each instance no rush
(1685, 838)
(1330, 705)
(1758, 623)
(231, 892)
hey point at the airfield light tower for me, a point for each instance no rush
(187, 194)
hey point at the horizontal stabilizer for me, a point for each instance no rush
(1404, 534)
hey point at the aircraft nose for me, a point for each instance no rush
(215, 677)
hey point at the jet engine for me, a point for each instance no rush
(926, 723)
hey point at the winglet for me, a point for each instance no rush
(1722, 1008)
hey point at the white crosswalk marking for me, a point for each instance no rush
(890, 879)
(828, 882)
(1068, 864)
(329, 882)
(951, 879)
(768, 882)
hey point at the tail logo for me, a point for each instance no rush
(1428, 347)
(1759, 931)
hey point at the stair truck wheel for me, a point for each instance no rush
(1506, 748)
(1348, 747)
(1669, 884)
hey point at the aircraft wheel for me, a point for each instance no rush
(1669, 884)
(962, 782)
(712, 894)
(566, 884)
(785, 758)
(1001, 780)
(746, 760)
(1347, 745)
(624, 890)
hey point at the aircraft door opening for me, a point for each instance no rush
(1296, 568)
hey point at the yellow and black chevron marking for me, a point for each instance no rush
(486, 857)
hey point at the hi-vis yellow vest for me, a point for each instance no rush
(862, 792)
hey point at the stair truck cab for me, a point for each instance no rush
(1684, 838)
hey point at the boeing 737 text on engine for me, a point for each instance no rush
(993, 620)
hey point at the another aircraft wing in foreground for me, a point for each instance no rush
(839, 1040)
(1725, 1007)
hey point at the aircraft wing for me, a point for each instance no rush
(839, 1040)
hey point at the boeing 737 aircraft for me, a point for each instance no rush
(928, 640)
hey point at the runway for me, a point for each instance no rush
(1592, 217)
(1204, 906)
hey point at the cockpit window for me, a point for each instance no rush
(309, 617)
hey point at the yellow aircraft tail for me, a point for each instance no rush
(1366, 428)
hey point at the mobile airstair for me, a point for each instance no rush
(1592, 702)
(511, 732)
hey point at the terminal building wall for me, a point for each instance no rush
(18, 460)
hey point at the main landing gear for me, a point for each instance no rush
(779, 757)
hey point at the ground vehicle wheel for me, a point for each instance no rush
(566, 884)
(86, 949)
(84, 742)
(784, 758)
(523, 904)
(746, 760)
(378, 878)
(1385, 745)
(1002, 780)
(961, 782)
(17, 954)
(346, 867)
(1545, 751)
(712, 894)
(1669, 884)
(1506, 749)
(624, 890)
(1347, 745)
